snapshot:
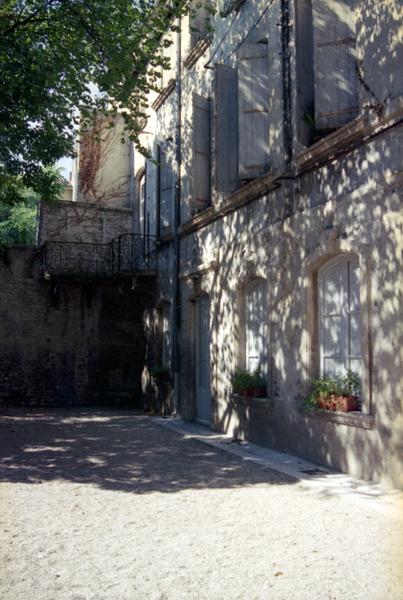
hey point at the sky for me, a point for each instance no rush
(66, 165)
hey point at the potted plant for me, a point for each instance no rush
(246, 383)
(335, 394)
(161, 374)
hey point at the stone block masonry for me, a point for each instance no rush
(68, 343)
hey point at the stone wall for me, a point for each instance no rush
(69, 343)
(82, 222)
(284, 237)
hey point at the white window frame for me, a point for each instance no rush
(259, 361)
(345, 263)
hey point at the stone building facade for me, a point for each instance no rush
(275, 190)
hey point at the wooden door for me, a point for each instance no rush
(203, 394)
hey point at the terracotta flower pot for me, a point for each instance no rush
(347, 403)
(338, 403)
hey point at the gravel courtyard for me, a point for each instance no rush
(108, 505)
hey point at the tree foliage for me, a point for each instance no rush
(53, 53)
(19, 208)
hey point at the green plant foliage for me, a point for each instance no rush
(347, 385)
(19, 209)
(159, 370)
(244, 380)
(53, 55)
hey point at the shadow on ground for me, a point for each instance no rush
(121, 451)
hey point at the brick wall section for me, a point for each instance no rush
(82, 222)
(70, 343)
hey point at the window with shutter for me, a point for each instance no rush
(253, 108)
(166, 189)
(201, 161)
(340, 317)
(226, 128)
(335, 64)
(142, 203)
(150, 208)
(255, 326)
(199, 22)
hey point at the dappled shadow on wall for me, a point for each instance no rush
(116, 451)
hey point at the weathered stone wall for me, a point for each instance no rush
(82, 222)
(104, 165)
(284, 237)
(69, 343)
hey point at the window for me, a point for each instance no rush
(199, 22)
(255, 326)
(340, 316)
(253, 109)
(327, 80)
(142, 203)
(335, 64)
(165, 189)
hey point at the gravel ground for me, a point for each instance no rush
(110, 506)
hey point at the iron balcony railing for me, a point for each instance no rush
(126, 254)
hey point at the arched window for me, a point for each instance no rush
(340, 316)
(255, 326)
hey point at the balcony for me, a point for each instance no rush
(127, 255)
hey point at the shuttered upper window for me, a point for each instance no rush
(199, 22)
(253, 109)
(335, 64)
(201, 159)
(166, 188)
(340, 317)
(255, 326)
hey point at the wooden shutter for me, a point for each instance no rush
(199, 22)
(166, 191)
(253, 110)
(226, 128)
(336, 86)
(142, 202)
(201, 164)
(150, 200)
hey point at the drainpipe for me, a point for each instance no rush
(286, 72)
(176, 241)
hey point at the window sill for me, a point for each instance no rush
(263, 404)
(164, 95)
(197, 51)
(351, 419)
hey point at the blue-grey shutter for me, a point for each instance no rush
(166, 191)
(199, 22)
(226, 128)
(253, 76)
(150, 199)
(201, 163)
(335, 64)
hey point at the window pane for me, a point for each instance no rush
(355, 334)
(255, 326)
(333, 336)
(333, 291)
(354, 285)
